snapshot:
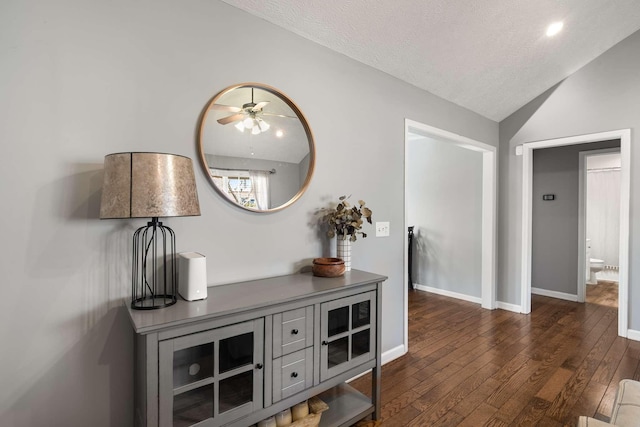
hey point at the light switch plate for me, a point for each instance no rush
(382, 229)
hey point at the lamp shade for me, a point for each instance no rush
(148, 185)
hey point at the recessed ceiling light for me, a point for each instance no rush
(554, 28)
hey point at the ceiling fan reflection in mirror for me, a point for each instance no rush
(248, 117)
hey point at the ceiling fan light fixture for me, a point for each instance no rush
(247, 117)
(248, 122)
(264, 126)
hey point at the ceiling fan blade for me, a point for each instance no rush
(259, 106)
(226, 108)
(278, 115)
(230, 119)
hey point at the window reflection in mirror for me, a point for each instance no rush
(256, 147)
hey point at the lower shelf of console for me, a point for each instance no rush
(346, 406)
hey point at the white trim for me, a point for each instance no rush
(446, 293)
(393, 354)
(387, 356)
(582, 227)
(625, 191)
(554, 294)
(489, 226)
(509, 307)
(489, 209)
(625, 224)
(582, 217)
(527, 191)
(632, 334)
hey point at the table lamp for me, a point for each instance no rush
(150, 185)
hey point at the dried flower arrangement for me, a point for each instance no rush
(346, 220)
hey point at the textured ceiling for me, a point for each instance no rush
(490, 56)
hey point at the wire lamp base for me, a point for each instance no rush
(154, 279)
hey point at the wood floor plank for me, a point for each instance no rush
(591, 397)
(440, 378)
(587, 342)
(560, 408)
(479, 416)
(626, 369)
(532, 413)
(610, 363)
(392, 408)
(511, 386)
(548, 422)
(389, 393)
(472, 367)
(477, 399)
(555, 384)
(403, 417)
(445, 403)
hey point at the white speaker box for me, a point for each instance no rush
(192, 276)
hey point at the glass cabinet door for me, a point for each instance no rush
(347, 333)
(211, 377)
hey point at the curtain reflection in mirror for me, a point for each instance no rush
(260, 184)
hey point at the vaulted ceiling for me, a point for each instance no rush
(490, 56)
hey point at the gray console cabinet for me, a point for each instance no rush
(252, 349)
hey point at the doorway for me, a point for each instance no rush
(624, 135)
(599, 226)
(487, 221)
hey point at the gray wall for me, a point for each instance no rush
(554, 240)
(444, 203)
(84, 78)
(601, 96)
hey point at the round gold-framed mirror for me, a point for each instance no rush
(256, 147)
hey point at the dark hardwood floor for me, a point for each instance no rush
(604, 293)
(472, 367)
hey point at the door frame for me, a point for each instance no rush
(489, 208)
(624, 135)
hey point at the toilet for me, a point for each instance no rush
(595, 265)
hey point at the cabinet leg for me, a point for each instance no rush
(375, 391)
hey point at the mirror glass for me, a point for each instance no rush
(256, 147)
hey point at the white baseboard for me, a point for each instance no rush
(445, 293)
(386, 357)
(633, 334)
(554, 294)
(393, 354)
(508, 306)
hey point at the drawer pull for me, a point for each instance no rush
(294, 332)
(325, 343)
(294, 375)
(259, 366)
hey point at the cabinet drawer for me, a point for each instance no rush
(292, 373)
(292, 331)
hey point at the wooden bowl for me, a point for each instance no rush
(328, 267)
